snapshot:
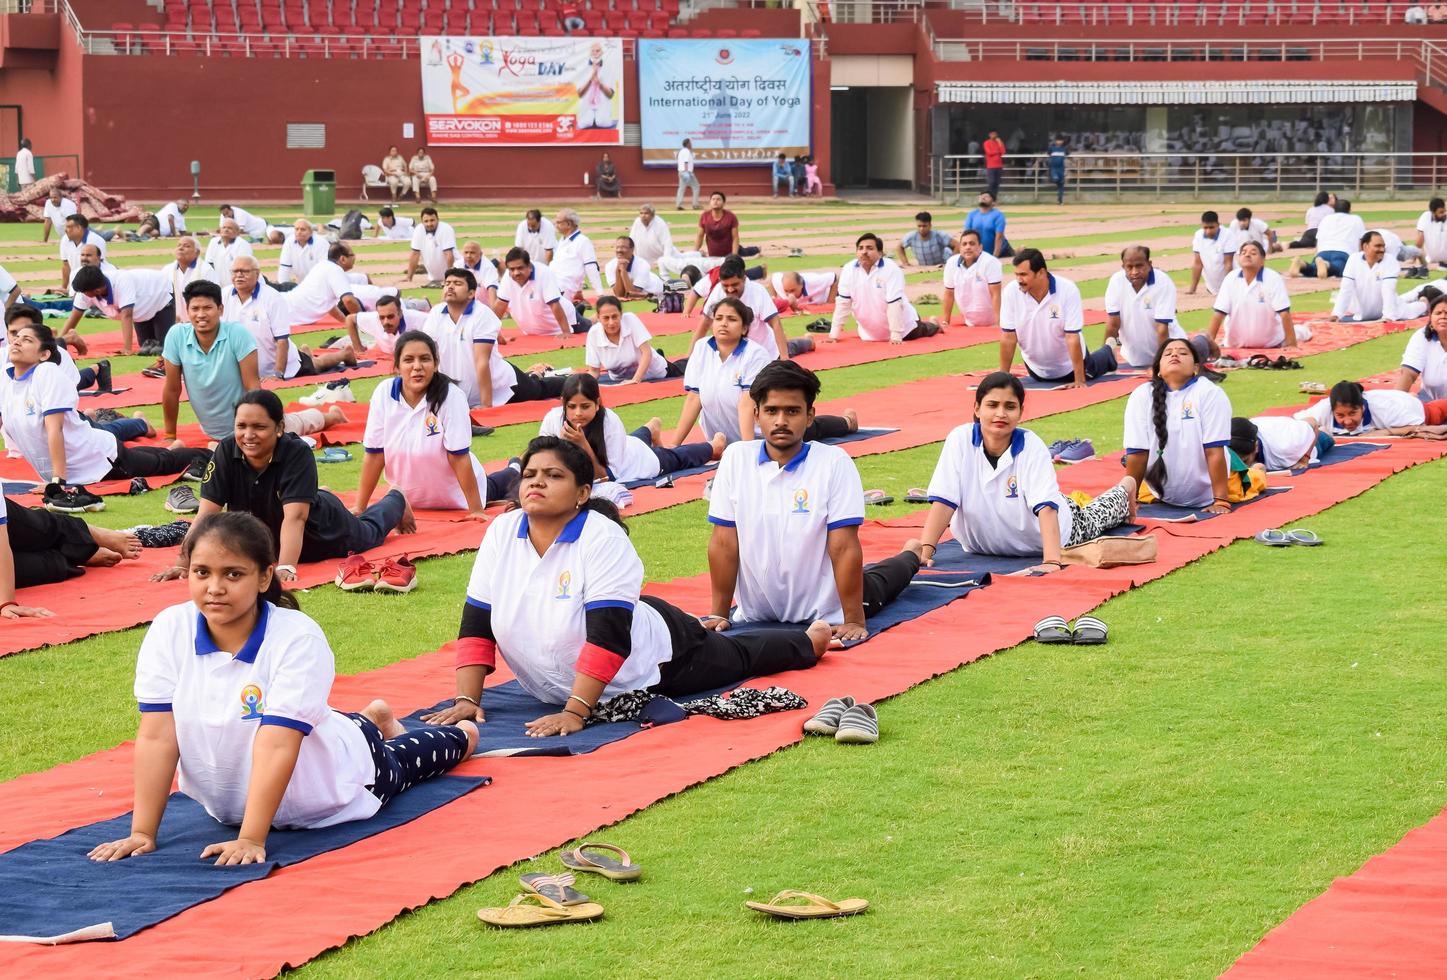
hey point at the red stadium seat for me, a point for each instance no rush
(677, 32)
(726, 32)
(751, 32)
(650, 33)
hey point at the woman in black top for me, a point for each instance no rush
(265, 471)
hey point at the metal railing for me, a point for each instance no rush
(1163, 13)
(1184, 176)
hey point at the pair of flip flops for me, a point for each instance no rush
(1313, 388)
(552, 900)
(791, 904)
(877, 498)
(1274, 537)
(1261, 361)
(916, 495)
(1088, 631)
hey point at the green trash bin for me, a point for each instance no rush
(319, 192)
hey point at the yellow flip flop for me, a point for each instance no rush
(584, 857)
(813, 907)
(532, 909)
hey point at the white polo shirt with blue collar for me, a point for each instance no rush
(1141, 311)
(455, 340)
(1045, 329)
(529, 304)
(721, 382)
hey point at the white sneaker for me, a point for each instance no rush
(329, 394)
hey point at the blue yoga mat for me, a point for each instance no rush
(1341, 453)
(50, 888)
(1033, 384)
(852, 437)
(1170, 512)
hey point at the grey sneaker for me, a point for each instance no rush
(182, 500)
(826, 721)
(1077, 451)
(858, 726)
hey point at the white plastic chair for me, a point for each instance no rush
(371, 177)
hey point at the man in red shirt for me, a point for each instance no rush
(994, 151)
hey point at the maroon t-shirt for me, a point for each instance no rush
(718, 236)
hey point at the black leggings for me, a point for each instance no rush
(885, 580)
(535, 387)
(827, 427)
(157, 326)
(47, 547)
(689, 456)
(706, 659)
(133, 461)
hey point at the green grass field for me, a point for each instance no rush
(1262, 721)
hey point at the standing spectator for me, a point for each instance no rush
(930, 247)
(433, 243)
(58, 207)
(686, 177)
(651, 235)
(606, 175)
(423, 174)
(187, 267)
(989, 222)
(719, 228)
(24, 165)
(994, 150)
(537, 236)
(783, 173)
(394, 169)
(1057, 153)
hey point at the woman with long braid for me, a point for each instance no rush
(1177, 429)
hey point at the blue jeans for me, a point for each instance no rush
(779, 178)
(123, 429)
(689, 456)
(1336, 264)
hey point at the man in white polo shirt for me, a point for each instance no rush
(381, 328)
(1432, 235)
(392, 226)
(265, 312)
(686, 177)
(972, 280)
(628, 276)
(1210, 256)
(766, 329)
(1248, 228)
(139, 298)
(482, 269)
(24, 165)
(871, 288)
(1337, 237)
(302, 253)
(651, 236)
(786, 515)
(574, 258)
(1140, 307)
(225, 248)
(433, 243)
(795, 290)
(78, 232)
(171, 219)
(1040, 313)
(537, 235)
(466, 335)
(251, 225)
(57, 208)
(1368, 284)
(1253, 306)
(186, 268)
(530, 293)
(327, 289)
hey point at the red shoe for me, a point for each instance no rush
(356, 574)
(396, 575)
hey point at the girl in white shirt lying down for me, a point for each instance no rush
(233, 689)
(617, 454)
(1351, 410)
(1278, 442)
(995, 487)
(1176, 432)
(555, 592)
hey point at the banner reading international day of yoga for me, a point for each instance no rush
(522, 91)
(740, 102)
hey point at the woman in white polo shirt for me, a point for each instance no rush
(1176, 432)
(1253, 306)
(233, 690)
(43, 423)
(995, 488)
(1351, 410)
(555, 591)
(617, 454)
(1278, 442)
(419, 434)
(618, 345)
(1426, 355)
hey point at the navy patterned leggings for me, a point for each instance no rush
(408, 759)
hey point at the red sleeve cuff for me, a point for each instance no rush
(598, 663)
(474, 651)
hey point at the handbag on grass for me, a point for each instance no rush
(1109, 551)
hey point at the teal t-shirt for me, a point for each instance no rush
(212, 378)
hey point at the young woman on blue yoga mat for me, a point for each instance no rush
(233, 688)
(555, 591)
(995, 488)
(1177, 429)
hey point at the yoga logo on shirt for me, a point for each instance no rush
(30, 407)
(251, 703)
(1054, 311)
(801, 501)
(431, 424)
(1012, 489)
(1188, 411)
(565, 585)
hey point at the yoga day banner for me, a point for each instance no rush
(522, 91)
(741, 102)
